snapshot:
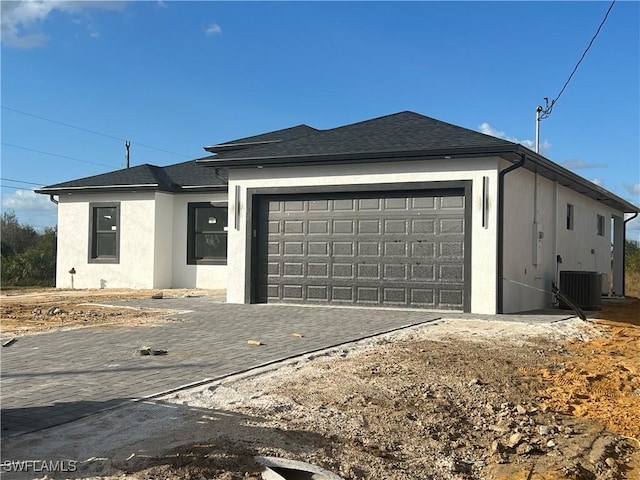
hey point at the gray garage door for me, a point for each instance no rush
(402, 249)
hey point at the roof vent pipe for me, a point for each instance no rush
(500, 266)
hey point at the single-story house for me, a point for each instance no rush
(401, 211)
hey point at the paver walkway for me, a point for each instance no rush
(57, 377)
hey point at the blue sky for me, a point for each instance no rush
(172, 77)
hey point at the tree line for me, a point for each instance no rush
(28, 256)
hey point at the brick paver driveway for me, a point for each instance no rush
(54, 378)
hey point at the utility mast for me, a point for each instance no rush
(127, 144)
(538, 112)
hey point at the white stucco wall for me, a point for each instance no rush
(163, 244)
(136, 266)
(527, 284)
(483, 255)
(581, 248)
(193, 276)
(153, 243)
(527, 280)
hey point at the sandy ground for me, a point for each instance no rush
(456, 399)
(29, 311)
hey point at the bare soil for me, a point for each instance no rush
(29, 311)
(458, 399)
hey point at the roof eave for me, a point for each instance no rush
(569, 179)
(354, 157)
(129, 189)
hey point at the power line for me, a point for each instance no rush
(549, 107)
(92, 131)
(19, 181)
(55, 154)
(16, 188)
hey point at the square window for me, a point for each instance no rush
(569, 216)
(600, 225)
(206, 234)
(104, 232)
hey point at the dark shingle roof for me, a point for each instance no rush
(404, 131)
(283, 135)
(401, 135)
(152, 177)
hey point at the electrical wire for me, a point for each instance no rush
(55, 155)
(93, 131)
(16, 188)
(549, 106)
(20, 181)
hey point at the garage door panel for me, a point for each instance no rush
(395, 272)
(372, 249)
(318, 248)
(369, 226)
(318, 227)
(318, 292)
(368, 249)
(369, 272)
(395, 295)
(293, 248)
(345, 227)
(451, 225)
(344, 294)
(316, 270)
(319, 205)
(343, 249)
(396, 248)
(293, 227)
(423, 226)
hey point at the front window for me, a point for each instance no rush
(104, 230)
(207, 234)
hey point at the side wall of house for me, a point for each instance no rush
(535, 233)
(529, 246)
(135, 268)
(483, 238)
(582, 249)
(193, 276)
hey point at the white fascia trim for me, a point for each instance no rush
(98, 187)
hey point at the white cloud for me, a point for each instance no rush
(530, 144)
(633, 189)
(22, 20)
(213, 29)
(598, 181)
(26, 200)
(577, 164)
(31, 208)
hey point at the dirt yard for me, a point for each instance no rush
(28, 311)
(457, 399)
